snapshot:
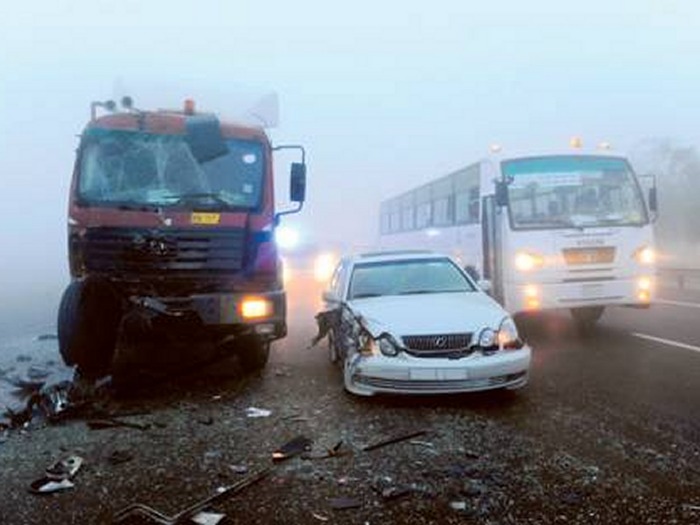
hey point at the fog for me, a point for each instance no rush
(383, 95)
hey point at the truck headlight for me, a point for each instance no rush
(256, 308)
(528, 261)
(645, 255)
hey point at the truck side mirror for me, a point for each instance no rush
(501, 193)
(297, 186)
(653, 202)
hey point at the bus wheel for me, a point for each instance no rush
(88, 322)
(587, 316)
(253, 352)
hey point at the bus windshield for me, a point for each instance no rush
(573, 191)
(127, 168)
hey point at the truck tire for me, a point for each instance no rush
(88, 322)
(587, 316)
(253, 352)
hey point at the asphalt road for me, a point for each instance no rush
(608, 431)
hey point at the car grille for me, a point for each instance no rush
(454, 385)
(173, 252)
(439, 345)
(576, 256)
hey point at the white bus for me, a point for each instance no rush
(550, 231)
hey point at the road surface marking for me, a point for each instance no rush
(667, 341)
(678, 303)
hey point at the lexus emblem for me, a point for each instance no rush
(440, 342)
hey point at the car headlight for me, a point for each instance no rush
(507, 336)
(645, 255)
(388, 347)
(487, 338)
(528, 261)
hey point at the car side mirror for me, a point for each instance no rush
(297, 186)
(485, 285)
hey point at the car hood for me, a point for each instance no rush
(428, 314)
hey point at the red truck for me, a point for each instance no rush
(171, 227)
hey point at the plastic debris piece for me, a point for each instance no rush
(207, 518)
(393, 440)
(258, 412)
(48, 485)
(458, 505)
(292, 448)
(64, 468)
(344, 503)
(320, 517)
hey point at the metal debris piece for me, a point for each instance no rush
(393, 440)
(258, 412)
(320, 517)
(207, 518)
(54, 400)
(57, 476)
(48, 485)
(138, 509)
(458, 505)
(292, 448)
(344, 503)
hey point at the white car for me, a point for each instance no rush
(416, 323)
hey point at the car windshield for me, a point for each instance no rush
(573, 191)
(130, 168)
(407, 277)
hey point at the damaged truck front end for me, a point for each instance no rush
(171, 239)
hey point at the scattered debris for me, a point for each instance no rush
(335, 451)
(119, 456)
(205, 420)
(57, 476)
(458, 505)
(344, 503)
(207, 518)
(113, 422)
(426, 444)
(320, 517)
(138, 509)
(393, 440)
(239, 469)
(258, 412)
(692, 508)
(388, 490)
(292, 448)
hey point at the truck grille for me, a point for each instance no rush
(172, 252)
(438, 345)
(576, 256)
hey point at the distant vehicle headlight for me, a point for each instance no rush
(645, 255)
(528, 261)
(507, 336)
(324, 265)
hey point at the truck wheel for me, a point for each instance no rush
(88, 321)
(253, 352)
(586, 317)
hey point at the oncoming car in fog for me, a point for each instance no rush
(415, 323)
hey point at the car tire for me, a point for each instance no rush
(88, 322)
(253, 352)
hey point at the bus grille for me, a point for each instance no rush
(576, 256)
(173, 252)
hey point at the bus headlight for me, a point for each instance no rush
(528, 261)
(645, 255)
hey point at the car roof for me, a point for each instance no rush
(390, 256)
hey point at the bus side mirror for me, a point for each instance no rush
(501, 193)
(653, 202)
(297, 186)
